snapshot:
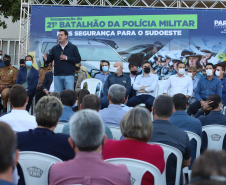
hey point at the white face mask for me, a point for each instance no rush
(189, 74)
(181, 71)
(217, 73)
(115, 70)
(209, 72)
(0, 57)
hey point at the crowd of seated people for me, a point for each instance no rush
(189, 102)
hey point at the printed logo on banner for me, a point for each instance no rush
(220, 23)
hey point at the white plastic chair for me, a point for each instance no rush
(59, 127)
(36, 166)
(92, 84)
(198, 140)
(215, 136)
(116, 132)
(137, 169)
(167, 151)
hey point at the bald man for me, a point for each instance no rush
(117, 77)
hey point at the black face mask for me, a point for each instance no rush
(134, 72)
(101, 68)
(77, 68)
(147, 70)
(7, 62)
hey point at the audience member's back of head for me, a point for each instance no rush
(180, 102)
(48, 111)
(81, 94)
(137, 124)
(8, 144)
(87, 130)
(215, 99)
(68, 97)
(210, 169)
(117, 93)
(91, 101)
(17, 96)
(163, 106)
(55, 94)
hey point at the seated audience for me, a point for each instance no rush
(80, 96)
(112, 115)
(209, 169)
(136, 127)
(104, 73)
(8, 155)
(213, 107)
(145, 86)
(179, 83)
(89, 101)
(133, 74)
(47, 85)
(220, 70)
(19, 119)
(80, 75)
(68, 99)
(42, 139)
(181, 119)
(167, 133)
(207, 86)
(117, 77)
(8, 75)
(28, 77)
(192, 72)
(87, 139)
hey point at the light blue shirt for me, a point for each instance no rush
(66, 115)
(151, 81)
(112, 115)
(102, 77)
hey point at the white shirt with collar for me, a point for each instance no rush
(151, 81)
(176, 84)
(132, 79)
(19, 120)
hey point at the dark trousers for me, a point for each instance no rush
(104, 102)
(39, 95)
(146, 99)
(194, 107)
(30, 94)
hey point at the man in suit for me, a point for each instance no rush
(47, 85)
(42, 139)
(28, 77)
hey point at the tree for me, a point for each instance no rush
(9, 8)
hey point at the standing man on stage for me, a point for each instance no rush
(65, 55)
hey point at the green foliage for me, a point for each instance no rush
(9, 8)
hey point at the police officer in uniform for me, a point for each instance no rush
(80, 75)
(8, 75)
(42, 72)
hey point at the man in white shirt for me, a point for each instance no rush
(145, 85)
(179, 83)
(19, 119)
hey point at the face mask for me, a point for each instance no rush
(7, 62)
(134, 72)
(189, 74)
(101, 68)
(0, 57)
(217, 73)
(181, 71)
(147, 70)
(209, 72)
(115, 70)
(77, 68)
(105, 68)
(28, 63)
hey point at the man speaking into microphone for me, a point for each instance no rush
(65, 56)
